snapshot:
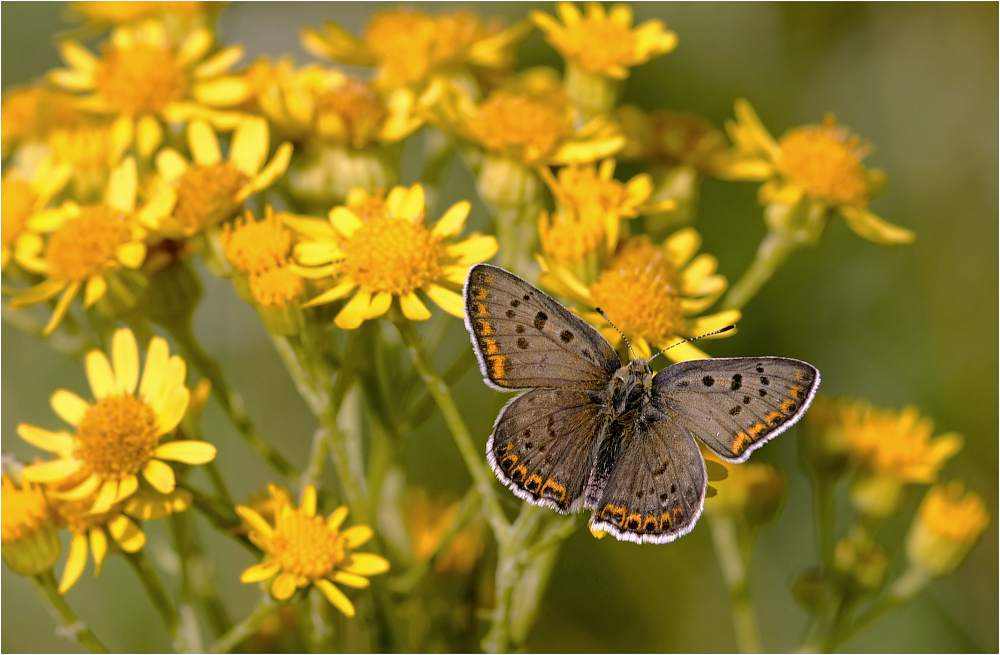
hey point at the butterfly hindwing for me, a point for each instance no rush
(542, 445)
(525, 339)
(734, 405)
(655, 489)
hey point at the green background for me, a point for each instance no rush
(910, 325)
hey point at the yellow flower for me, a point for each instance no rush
(178, 17)
(302, 549)
(818, 163)
(751, 493)
(590, 204)
(384, 250)
(118, 435)
(604, 43)
(90, 530)
(669, 139)
(145, 76)
(253, 247)
(529, 120)
(22, 200)
(428, 520)
(30, 112)
(947, 526)
(29, 539)
(210, 190)
(88, 244)
(411, 47)
(651, 294)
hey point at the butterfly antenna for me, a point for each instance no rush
(700, 336)
(601, 312)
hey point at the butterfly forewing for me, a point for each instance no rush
(542, 445)
(735, 405)
(525, 339)
(656, 489)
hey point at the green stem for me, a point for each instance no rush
(223, 517)
(161, 601)
(71, 627)
(733, 561)
(773, 251)
(246, 627)
(482, 477)
(824, 509)
(908, 585)
(230, 401)
(196, 572)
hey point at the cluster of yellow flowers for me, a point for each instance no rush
(160, 147)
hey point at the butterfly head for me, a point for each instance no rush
(630, 384)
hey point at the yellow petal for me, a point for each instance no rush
(641, 347)
(125, 357)
(354, 537)
(447, 300)
(684, 352)
(366, 564)
(702, 266)
(869, 226)
(477, 248)
(219, 63)
(317, 253)
(54, 442)
(156, 363)
(127, 534)
(453, 220)
(77, 56)
(274, 169)
(345, 221)
(221, 92)
(126, 487)
(706, 324)
(170, 412)
(351, 579)
(204, 144)
(61, 307)
(131, 254)
(75, 562)
(379, 305)
(259, 572)
(123, 184)
(189, 452)
(336, 597)
(337, 517)
(681, 246)
(73, 80)
(94, 291)
(105, 497)
(353, 313)
(284, 586)
(54, 471)
(69, 406)
(249, 146)
(194, 46)
(159, 207)
(160, 475)
(100, 375)
(99, 547)
(414, 308)
(308, 504)
(255, 520)
(342, 288)
(81, 491)
(149, 136)
(170, 164)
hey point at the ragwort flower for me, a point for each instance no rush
(814, 163)
(147, 77)
(652, 293)
(23, 199)
(380, 250)
(29, 539)
(604, 43)
(302, 550)
(88, 244)
(210, 190)
(118, 435)
(947, 526)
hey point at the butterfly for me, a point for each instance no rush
(616, 439)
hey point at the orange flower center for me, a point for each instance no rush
(598, 44)
(521, 126)
(305, 546)
(355, 106)
(276, 287)
(16, 203)
(640, 291)
(85, 246)
(825, 163)
(206, 196)
(569, 237)
(392, 254)
(142, 78)
(117, 437)
(253, 247)
(954, 516)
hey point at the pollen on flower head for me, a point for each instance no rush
(84, 246)
(640, 291)
(140, 78)
(511, 121)
(392, 254)
(253, 247)
(25, 511)
(353, 110)
(276, 287)
(206, 195)
(826, 162)
(305, 546)
(117, 437)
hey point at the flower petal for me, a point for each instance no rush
(255, 520)
(219, 63)
(61, 307)
(681, 246)
(105, 497)
(123, 184)
(705, 324)
(366, 564)
(354, 537)
(126, 487)
(188, 452)
(131, 254)
(446, 299)
(342, 288)
(170, 164)
(156, 364)
(345, 221)
(126, 533)
(869, 226)
(100, 375)
(81, 491)
(69, 406)
(204, 144)
(453, 220)
(125, 358)
(283, 586)
(75, 562)
(379, 305)
(149, 136)
(477, 248)
(221, 92)
(683, 352)
(337, 517)
(351, 579)
(249, 146)
(308, 504)
(170, 412)
(353, 313)
(336, 597)
(54, 442)
(160, 475)
(259, 572)
(53, 471)
(413, 307)
(99, 547)
(94, 291)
